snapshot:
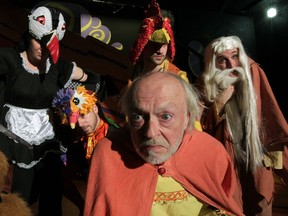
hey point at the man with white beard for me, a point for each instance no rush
(241, 111)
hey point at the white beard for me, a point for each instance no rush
(223, 80)
(240, 112)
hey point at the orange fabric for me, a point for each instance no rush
(276, 134)
(169, 66)
(94, 138)
(121, 183)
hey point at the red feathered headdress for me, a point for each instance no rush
(154, 28)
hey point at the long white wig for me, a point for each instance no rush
(241, 111)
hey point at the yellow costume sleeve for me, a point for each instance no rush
(183, 75)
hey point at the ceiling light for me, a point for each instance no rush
(271, 12)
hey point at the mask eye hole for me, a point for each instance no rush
(41, 19)
(63, 27)
(76, 101)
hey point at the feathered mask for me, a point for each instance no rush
(154, 28)
(74, 102)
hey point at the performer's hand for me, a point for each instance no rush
(223, 97)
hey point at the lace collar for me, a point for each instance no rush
(29, 70)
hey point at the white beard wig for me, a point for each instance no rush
(241, 110)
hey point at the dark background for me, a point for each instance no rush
(195, 24)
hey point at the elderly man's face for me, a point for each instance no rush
(159, 117)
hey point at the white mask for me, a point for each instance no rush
(42, 28)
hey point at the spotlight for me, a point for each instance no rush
(271, 12)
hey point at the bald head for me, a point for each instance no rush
(159, 86)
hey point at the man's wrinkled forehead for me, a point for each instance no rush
(158, 85)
